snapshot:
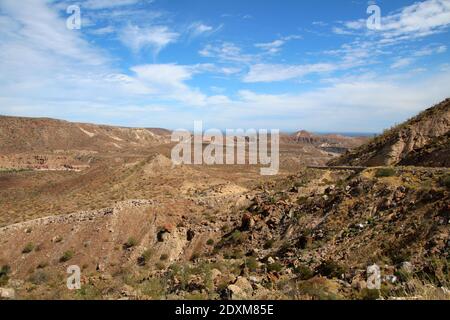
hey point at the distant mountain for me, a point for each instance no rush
(19, 134)
(421, 141)
(335, 143)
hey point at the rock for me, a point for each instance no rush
(215, 274)
(7, 293)
(241, 289)
(243, 202)
(236, 293)
(244, 284)
(270, 260)
(247, 222)
(190, 234)
(407, 267)
(390, 279)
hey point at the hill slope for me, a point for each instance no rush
(413, 142)
(18, 134)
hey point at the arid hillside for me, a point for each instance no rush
(412, 142)
(18, 135)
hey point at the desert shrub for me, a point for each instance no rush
(276, 266)
(66, 256)
(369, 294)
(89, 292)
(330, 269)
(39, 277)
(153, 288)
(445, 181)
(268, 244)
(385, 172)
(251, 263)
(236, 236)
(304, 273)
(164, 257)
(210, 242)
(28, 248)
(131, 242)
(160, 265)
(4, 271)
(318, 289)
(42, 265)
(145, 257)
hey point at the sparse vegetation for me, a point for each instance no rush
(39, 277)
(445, 181)
(4, 272)
(67, 255)
(276, 266)
(28, 248)
(269, 244)
(164, 257)
(384, 172)
(330, 269)
(131, 242)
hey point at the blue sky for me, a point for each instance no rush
(287, 64)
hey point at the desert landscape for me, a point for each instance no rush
(249, 157)
(109, 200)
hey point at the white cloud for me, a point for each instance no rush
(155, 37)
(103, 31)
(198, 28)
(276, 45)
(414, 21)
(107, 4)
(401, 63)
(279, 72)
(226, 51)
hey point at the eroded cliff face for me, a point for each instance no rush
(402, 141)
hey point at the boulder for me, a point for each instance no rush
(7, 293)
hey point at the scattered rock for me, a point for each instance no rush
(7, 293)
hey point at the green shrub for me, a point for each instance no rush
(304, 273)
(330, 269)
(369, 294)
(268, 244)
(251, 263)
(276, 266)
(4, 271)
(236, 236)
(145, 257)
(39, 277)
(385, 172)
(131, 242)
(210, 242)
(445, 181)
(66, 256)
(28, 248)
(164, 257)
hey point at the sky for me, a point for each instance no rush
(288, 65)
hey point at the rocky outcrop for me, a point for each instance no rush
(404, 142)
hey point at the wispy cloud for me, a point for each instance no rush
(276, 45)
(277, 72)
(417, 20)
(154, 37)
(198, 28)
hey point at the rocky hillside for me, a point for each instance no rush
(422, 141)
(19, 134)
(334, 143)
